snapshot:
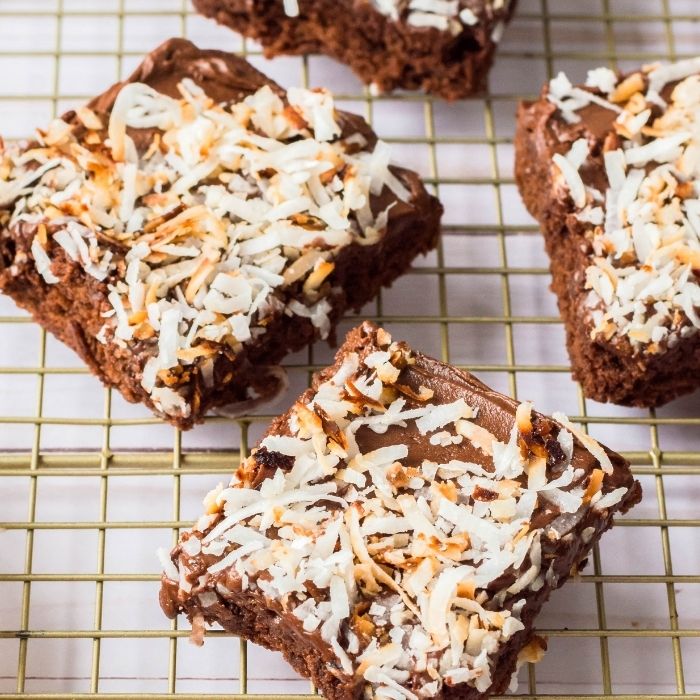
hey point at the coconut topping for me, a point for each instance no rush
(445, 15)
(412, 572)
(229, 216)
(644, 227)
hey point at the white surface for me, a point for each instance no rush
(573, 663)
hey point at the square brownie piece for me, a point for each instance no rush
(396, 532)
(611, 169)
(195, 223)
(443, 48)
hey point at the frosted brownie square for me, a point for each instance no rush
(611, 170)
(396, 532)
(195, 223)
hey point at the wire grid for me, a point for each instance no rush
(472, 141)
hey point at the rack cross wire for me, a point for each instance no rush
(89, 485)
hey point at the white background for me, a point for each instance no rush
(453, 306)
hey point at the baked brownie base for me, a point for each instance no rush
(388, 54)
(71, 309)
(253, 616)
(607, 371)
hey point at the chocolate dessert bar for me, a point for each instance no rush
(396, 532)
(192, 225)
(444, 47)
(611, 170)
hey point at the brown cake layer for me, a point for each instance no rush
(74, 307)
(609, 365)
(491, 457)
(385, 52)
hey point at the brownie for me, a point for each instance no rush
(195, 223)
(398, 528)
(443, 48)
(610, 171)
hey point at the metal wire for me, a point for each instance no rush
(40, 464)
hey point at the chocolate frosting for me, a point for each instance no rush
(495, 413)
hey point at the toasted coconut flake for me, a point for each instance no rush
(57, 133)
(664, 74)
(383, 338)
(615, 168)
(321, 270)
(291, 8)
(627, 87)
(353, 523)
(340, 601)
(595, 484)
(89, 119)
(533, 571)
(441, 596)
(602, 79)
(169, 569)
(170, 401)
(316, 106)
(610, 499)
(204, 268)
(302, 265)
(128, 195)
(537, 474)
(588, 442)
(481, 438)
(534, 651)
(565, 501)
(573, 180)
(43, 263)
(445, 414)
(523, 418)
(421, 396)
(211, 504)
(168, 339)
(660, 150)
(234, 555)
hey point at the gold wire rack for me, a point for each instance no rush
(465, 153)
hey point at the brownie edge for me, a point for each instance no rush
(384, 51)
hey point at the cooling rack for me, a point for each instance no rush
(90, 486)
